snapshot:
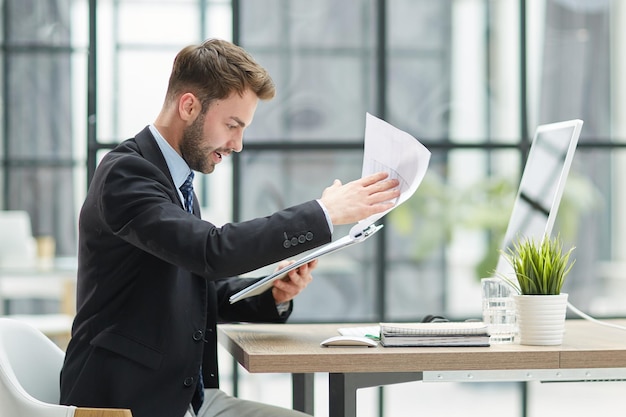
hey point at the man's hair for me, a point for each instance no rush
(214, 70)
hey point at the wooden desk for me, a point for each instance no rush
(589, 352)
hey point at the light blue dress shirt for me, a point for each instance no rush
(179, 170)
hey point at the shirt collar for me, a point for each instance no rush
(179, 170)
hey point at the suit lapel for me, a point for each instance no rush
(150, 150)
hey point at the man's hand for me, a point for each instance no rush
(360, 199)
(287, 288)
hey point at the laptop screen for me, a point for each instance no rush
(541, 187)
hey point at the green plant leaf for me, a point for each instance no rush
(540, 267)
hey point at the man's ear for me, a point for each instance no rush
(189, 107)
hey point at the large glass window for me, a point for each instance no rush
(43, 61)
(136, 43)
(471, 80)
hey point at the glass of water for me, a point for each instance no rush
(498, 310)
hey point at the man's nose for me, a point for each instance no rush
(236, 143)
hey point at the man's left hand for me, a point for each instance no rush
(287, 288)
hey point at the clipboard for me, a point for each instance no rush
(266, 283)
(386, 149)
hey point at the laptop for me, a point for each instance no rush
(541, 186)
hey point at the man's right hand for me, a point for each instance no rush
(360, 199)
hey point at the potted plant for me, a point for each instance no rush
(540, 269)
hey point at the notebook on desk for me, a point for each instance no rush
(464, 333)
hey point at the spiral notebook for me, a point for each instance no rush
(461, 328)
(434, 334)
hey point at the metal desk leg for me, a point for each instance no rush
(343, 387)
(303, 397)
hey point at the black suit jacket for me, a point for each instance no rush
(153, 282)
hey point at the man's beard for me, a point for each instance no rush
(191, 148)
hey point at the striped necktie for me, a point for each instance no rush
(187, 190)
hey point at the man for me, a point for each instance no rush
(153, 278)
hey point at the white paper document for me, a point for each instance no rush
(397, 153)
(387, 149)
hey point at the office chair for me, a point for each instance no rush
(29, 376)
(18, 247)
(20, 278)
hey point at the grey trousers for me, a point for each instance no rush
(219, 404)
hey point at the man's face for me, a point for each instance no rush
(218, 132)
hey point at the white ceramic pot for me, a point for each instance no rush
(540, 318)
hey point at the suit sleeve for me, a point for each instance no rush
(259, 309)
(140, 206)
